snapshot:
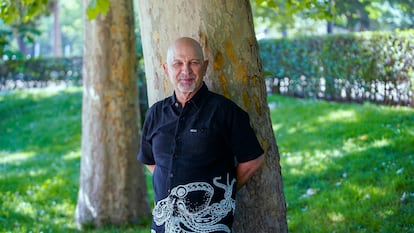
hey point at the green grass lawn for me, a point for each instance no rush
(346, 167)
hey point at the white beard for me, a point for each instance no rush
(185, 88)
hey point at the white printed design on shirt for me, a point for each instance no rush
(176, 211)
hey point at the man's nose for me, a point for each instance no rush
(187, 69)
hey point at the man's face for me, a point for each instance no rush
(186, 68)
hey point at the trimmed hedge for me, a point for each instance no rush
(39, 72)
(45, 71)
(17, 74)
(368, 66)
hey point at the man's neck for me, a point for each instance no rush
(182, 98)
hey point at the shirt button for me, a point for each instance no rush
(171, 175)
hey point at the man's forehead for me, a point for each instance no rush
(181, 55)
(185, 50)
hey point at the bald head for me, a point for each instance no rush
(185, 67)
(184, 44)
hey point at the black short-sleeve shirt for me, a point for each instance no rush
(195, 150)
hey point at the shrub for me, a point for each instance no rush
(39, 72)
(42, 72)
(373, 66)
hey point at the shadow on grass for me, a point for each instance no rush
(346, 167)
(41, 123)
(39, 160)
(360, 192)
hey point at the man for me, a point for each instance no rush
(199, 146)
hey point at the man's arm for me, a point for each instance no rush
(151, 168)
(245, 170)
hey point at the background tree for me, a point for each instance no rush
(71, 28)
(112, 186)
(54, 7)
(354, 15)
(282, 14)
(22, 16)
(273, 14)
(27, 19)
(225, 29)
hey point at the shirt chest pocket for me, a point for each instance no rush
(199, 144)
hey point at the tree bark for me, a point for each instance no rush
(57, 35)
(112, 183)
(20, 42)
(329, 26)
(225, 29)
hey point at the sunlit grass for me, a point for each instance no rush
(6, 157)
(38, 188)
(345, 167)
(39, 161)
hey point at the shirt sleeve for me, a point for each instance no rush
(145, 154)
(244, 142)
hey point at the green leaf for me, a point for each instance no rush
(267, 73)
(97, 7)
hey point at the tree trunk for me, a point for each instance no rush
(329, 25)
(112, 182)
(57, 35)
(20, 42)
(225, 29)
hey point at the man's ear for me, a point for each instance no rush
(205, 66)
(165, 67)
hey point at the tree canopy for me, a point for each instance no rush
(22, 11)
(23, 20)
(352, 15)
(21, 16)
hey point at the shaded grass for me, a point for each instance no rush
(39, 161)
(346, 167)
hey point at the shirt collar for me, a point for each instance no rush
(197, 99)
